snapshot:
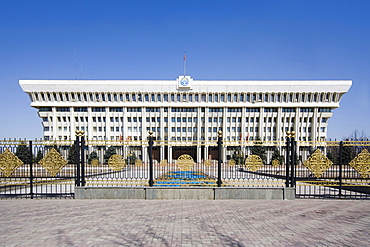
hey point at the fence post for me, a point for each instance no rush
(31, 170)
(83, 182)
(293, 159)
(340, 168)
(151, 181)
(77, 147)
(219, 144)
(287, 159)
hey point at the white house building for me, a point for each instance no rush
(185, 112)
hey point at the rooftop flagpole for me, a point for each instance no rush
(184, 64)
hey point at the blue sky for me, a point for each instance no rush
(260, 40)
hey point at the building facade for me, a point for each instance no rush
(185, 112)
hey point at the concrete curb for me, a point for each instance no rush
(185, 193)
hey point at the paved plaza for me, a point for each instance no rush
(67, 222)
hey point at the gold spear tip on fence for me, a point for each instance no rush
(219, 133)
(80, 132)
(290, 134)
(150, 133)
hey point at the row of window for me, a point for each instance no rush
(178, 138)
(189, 129)
(177, 109)
(187, 119)
(186, 97)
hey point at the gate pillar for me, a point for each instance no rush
(219, 145)
(80, 158)
(151, 180)
(290, 159)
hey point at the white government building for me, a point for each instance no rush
(185, 112)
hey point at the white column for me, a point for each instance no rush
(55, 126)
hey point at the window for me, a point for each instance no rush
(270, 110)
(252, 109)
(153, 109)
(80, 109)
(134, 109)
(324, 110)
(306, 110)
(181, 109)
(234, 109)
(215, 110)
(45, 109)
(116, 109)
(203, 97)
(98, 109)
(63, 109)
(288, 109)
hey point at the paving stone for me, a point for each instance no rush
(184, 223)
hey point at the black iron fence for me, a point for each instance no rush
(53, 168)
(24, 175)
